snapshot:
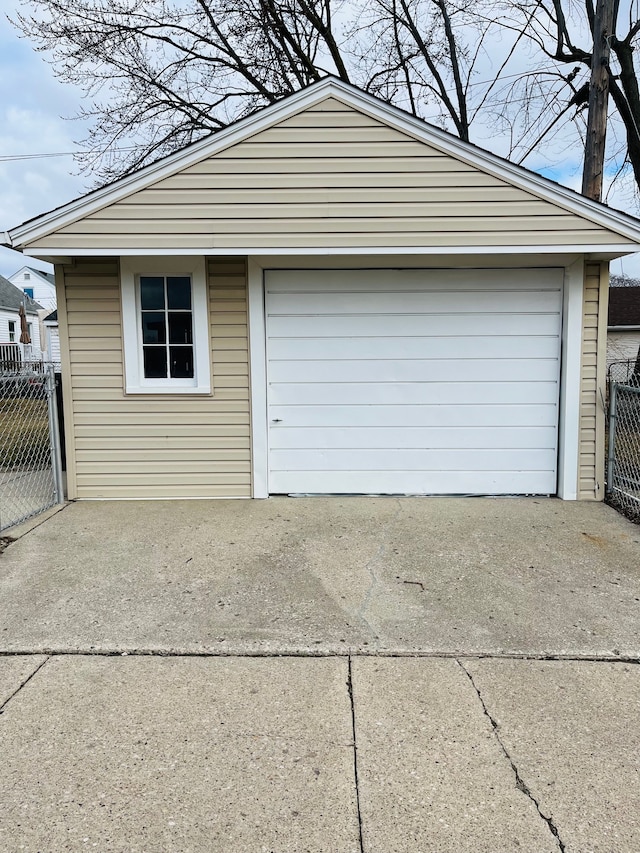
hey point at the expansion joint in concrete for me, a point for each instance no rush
(520, 783)
(355, 750)
(21, 685)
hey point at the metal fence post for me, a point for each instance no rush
(612, 435)
(54, 435)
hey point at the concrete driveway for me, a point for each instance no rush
(327, 576)
(326, 675)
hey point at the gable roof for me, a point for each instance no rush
(619, 224)
(11, 298)
(624, 306)
(48, 276)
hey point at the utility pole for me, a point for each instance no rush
(598, 101)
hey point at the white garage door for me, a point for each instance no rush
(413, 381)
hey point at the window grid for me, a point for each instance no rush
(169, 323)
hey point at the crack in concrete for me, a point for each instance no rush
(355, 751)
(20, 686)
(520, 783)
(369, 568)
(331, 652)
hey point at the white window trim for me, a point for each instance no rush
(130, 270)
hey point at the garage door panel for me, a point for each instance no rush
(388, 459)
(415, 370)
(401, 326)
(407, 302)
(412, 393)
(392, 381)
(408, 482)
(414, 416)
(283, 437)
(437, 347)
(404, 280)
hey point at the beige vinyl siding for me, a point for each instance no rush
(592, 414)
(329, 176)
(154, 446)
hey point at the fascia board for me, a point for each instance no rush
(519, 177)
(612, 250)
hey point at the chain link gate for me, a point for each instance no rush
(623, 466)
(30, 462)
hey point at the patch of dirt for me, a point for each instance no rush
(4, 542)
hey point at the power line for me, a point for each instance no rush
(7, 158)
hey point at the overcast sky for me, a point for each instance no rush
(35, 119)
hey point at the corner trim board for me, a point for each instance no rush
(258, 381)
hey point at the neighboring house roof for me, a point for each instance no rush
(11, 298)
(52, 318)
(48, 276)
(623, 231)
(624, 307)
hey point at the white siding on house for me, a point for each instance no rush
(622, 346)
(53, 343)
(5, 318)
(329, 176)
(43, 291)
(32, 319)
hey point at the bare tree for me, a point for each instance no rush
(158, 74)
(554, 90)
(424, 52)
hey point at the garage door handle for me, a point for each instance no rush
(276, 421)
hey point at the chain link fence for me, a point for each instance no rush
(30, 461)
(625, 372)
(623, 465)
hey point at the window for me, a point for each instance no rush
(27, 276)
(28, 292)
(12, 331)
(166, 330)
(167, 327)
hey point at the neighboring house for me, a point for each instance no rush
(38, 285)
(331, 296)
(623, 331)
(11, 298)
(41, 287)
(52, 338)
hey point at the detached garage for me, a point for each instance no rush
(332, 297)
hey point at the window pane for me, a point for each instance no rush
(153, 328)
(180, 329)
(179, 292)
(151, 292)
(155, 362)
(181, 362)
